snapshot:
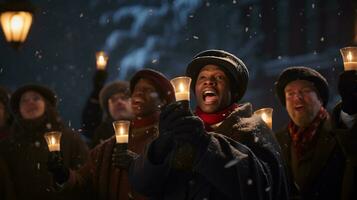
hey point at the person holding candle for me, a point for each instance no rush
(106, 171)
(222, 153)
(92, 113)
(115, 102)
(5, 116)
(314, 160)
(344, 123)
(26, 151)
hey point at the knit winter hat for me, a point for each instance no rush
(45, 91)
(302, 73)
(161, 83)
(111, 89)
(233, 67)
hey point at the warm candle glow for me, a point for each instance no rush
(102, 60)
(266, 115)
(182, 87)
(121, 129)
(53, 140)
(16, 25)
(349, 55)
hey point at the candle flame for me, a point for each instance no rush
(264, 117)
(121, 131)
(349, 56)
(181, 87)
(53, 140)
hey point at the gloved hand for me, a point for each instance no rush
(162, 145)
(122, 157)
(55, 165)
(99, 78)
(347, 87)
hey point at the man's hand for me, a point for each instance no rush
(122, 157)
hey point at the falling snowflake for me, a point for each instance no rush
(191, 16)
(154, 61)
(267, 189)
(38, 166)
(246, 29)
(234, 1)
(195, 37)
(81, 15)
(231, 163)
(322, 39)
(256, 139)
(208, 4)
(250, 182)
(279, 57)
(313, 6)
(48, 125)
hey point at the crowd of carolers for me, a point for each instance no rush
(216, 151)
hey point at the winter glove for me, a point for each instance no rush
(56, 166)
(163, 145)
(122, 157)
(347, 87)
(99, 79)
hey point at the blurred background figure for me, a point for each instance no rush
(115, 104)
(314, 160)
(92, 113)
(5, 115)
(26, 151)
(344, 119)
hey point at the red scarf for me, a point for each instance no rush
(303, 139)
(140, 122)
(214, 118)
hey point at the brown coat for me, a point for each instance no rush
(6, 184)
(318, 175)
(108, 182)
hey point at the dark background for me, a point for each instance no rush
(267, 35)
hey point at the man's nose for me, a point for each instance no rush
(210, 81)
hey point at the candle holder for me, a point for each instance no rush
(181, 86)
(53, 140)
(349, 56)
(267, 116)
(102, 60)
(121, 129)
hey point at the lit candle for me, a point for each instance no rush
(53, 140)
(102, 59)
(266, 115)
(182, 88)
(349, 56)
(121, 129)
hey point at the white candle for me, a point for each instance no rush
(266, 115)
(121, 129)
(182, 88)
(53, 140)
(349, 55)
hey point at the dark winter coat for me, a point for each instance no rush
(347, 139)
(319, 172)
(104, 131)
(108, 182)
(26, 153)
(226, 170)
(6, 183)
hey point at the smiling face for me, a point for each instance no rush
(302, 102)
(145, 99)
(212, 89)
(32, 105)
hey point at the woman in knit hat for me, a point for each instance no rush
(26, 151)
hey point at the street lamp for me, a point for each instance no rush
(16, 18)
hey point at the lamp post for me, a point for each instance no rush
(16, 19)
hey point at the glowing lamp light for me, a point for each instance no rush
(349, 56)
(182, 88)
(267, 116)
(121, 129)
(53, 140)
(102, 60)
(16, 19)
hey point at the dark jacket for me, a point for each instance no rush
(26, 154)
(106, 181)
(104, 131)
(6, 183)
(226, 169)
(347, 139)
(319, 172)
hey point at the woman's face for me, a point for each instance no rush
(32, 105)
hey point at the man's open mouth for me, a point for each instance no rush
(209, 96)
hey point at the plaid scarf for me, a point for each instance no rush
(304, 138)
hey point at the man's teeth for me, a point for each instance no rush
(210, 93)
